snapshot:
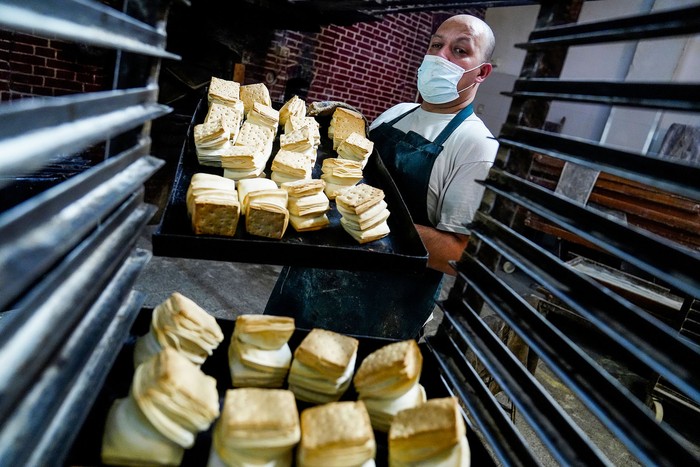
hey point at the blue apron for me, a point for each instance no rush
(373, 303)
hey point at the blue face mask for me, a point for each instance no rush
(438, 79)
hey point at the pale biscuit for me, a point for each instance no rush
(342, 168)
(222, 90)
(377, 232)
(258, 136)
(309, 223)
(314, 205)
(390, 370)
(326, 351)
(300, 188)
(295, 106)
(252, 93)
(333, 431)
(353, 224)
(250, 185)
(212, 133)
(239, 157)
(266, 219)
(231, 116)
(426, 431)
(264, 331)
(265, 115)
(356, 147)
(343, 123)
(292, 163)
(299, 140)
(259, 418)
(215, 215)
(359, 198)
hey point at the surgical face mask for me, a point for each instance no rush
(438, 79)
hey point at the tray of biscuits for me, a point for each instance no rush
(298, 186)
(192, 391)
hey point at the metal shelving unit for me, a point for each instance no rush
(498, 235)
(68, 260)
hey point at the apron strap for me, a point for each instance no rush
(393, 122)
(461, 116)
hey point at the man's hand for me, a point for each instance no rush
(442, 247)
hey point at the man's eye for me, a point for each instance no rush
(435, 45)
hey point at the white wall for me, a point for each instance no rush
(672, 59)
(511, 25)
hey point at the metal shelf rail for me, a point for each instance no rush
(68, 256)
(498, 235)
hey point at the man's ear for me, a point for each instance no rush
(484, 71)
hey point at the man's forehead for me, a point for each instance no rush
(463, 35)
(457, 30)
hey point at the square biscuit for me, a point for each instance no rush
(359, 198)
(223, 90)
(327, 351)
(335, 425)
(252, 93)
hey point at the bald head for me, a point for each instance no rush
(475, 27)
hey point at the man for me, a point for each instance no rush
(457, 62)
(434, 151)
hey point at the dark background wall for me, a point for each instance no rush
(370, 65)
(35, 66)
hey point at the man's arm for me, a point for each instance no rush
(442, 247)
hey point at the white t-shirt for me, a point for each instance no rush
(467, 155)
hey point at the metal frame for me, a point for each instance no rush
(68, 256)
(499, 234)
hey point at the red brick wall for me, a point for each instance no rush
(368, 65)
(371, 66)
(32, 66)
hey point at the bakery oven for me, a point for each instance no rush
(70, 317)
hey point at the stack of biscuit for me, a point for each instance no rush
(298, 146)
(301, 140)
(221, 125)
(363, 213)
(387, 381)
(307, 204)
(259, 353)
(267, 214)
(432, 433)
(180, 324)
(343, 123)
(223, 91)
(288, 166)
(257, 140)
(356, 148)
(264, 206)
(250, 185)
(336, 434)
(323, 366)
(252, 93)
(294, 107)
(257, 427)
(212, 205)
(264, 115)
(170, 402)
(211, 139)
(339, 174)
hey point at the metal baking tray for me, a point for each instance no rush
(87, 445)
(333, 248)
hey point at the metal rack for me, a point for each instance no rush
(499, 234)
(68, 259)
(67, 250)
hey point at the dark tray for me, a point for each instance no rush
(333, 248)
(86, 447)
